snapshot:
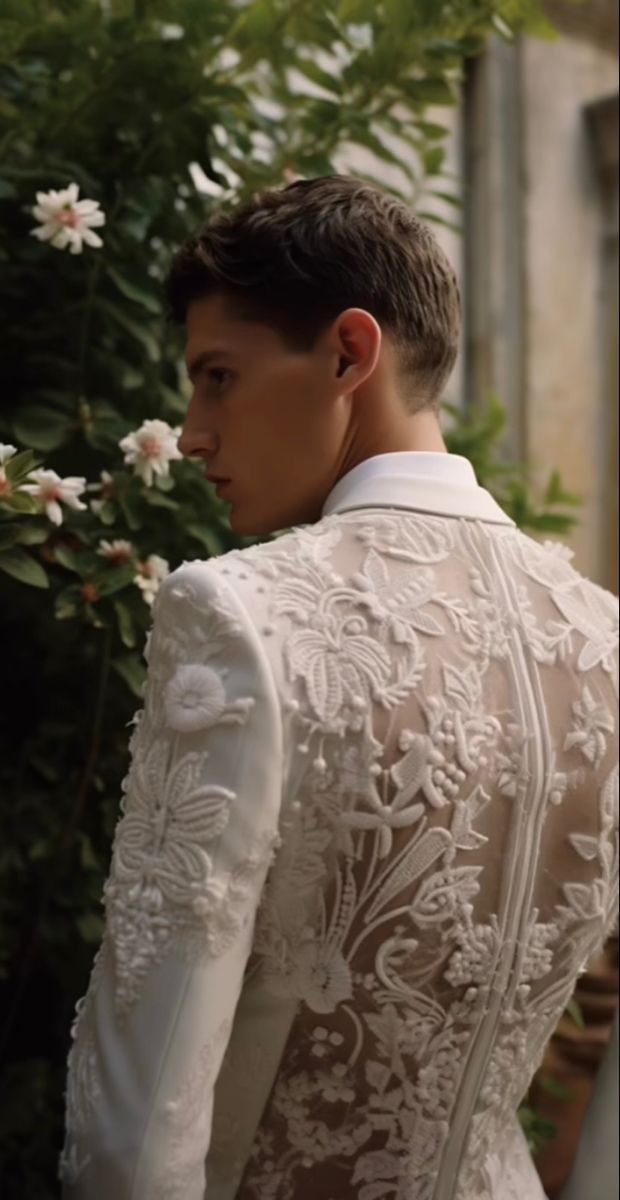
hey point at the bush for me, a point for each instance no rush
(153, 110)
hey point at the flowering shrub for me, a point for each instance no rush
(148, 111)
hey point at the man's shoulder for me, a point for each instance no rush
(288, 552)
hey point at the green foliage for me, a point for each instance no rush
(122, 97)
(477, 435)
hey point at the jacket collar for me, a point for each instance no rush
(439, 484)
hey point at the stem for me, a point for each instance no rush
(62, 841)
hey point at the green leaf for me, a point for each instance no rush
(20, 465)
(330, 83)
(21, 502)
(9, 536)
(88, 857)
(39, 849)
(432, 131)
(33, 533)
(41, 428)
(21, 566)
(429, 91)
(125, 624)
(433, 160)
(358, 12)
(573, 1010)
(91, 927)
(209, 538)
(131, 508)
(107, 513)
(131, 668)
(133, 291)
(113, 579)
(254, 24)
(138, 331)
(66, 605)
(554, 1087)
(67, 558)
(158, 500)
(555, 493)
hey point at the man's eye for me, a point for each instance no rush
(218, 375)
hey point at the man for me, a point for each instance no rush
(368, 839)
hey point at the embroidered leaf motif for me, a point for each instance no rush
(378, 1075)
(422, 855)
(583, 899)
(463, 686)
(586, 846)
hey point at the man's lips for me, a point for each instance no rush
(220, 483)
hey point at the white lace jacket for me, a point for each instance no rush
(368, 842)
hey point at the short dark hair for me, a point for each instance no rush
(294, 257)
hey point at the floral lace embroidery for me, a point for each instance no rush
(423, 761)
(83, 1080)
(164, 894)
(187, 1118)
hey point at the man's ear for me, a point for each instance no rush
(356, 339)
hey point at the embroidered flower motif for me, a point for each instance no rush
(596, 619)
(592, 721)
(402, 607)
(170, 817)
(160, 856)
(338, 661)
(316, 974)
(194, 699)
(383, 818)
(512, 761)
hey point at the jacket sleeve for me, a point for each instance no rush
(191, 853)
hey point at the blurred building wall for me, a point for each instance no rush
(539, 143)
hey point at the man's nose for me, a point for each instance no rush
(197, 443)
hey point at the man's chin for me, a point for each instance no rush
(245, 524)
(253, 524)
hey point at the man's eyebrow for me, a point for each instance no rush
(203, 359)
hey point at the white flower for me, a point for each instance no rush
(106, 487)
(65, 221)
(118, 551)
(151, 573)
(151, 448)
(6, 452)
(49, 489)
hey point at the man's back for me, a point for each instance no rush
(448, 861)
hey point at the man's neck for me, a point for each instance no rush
(418, 433)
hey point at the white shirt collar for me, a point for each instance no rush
(433, 482)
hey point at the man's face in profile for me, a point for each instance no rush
(265, 417)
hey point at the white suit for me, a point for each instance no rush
(369, 841)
